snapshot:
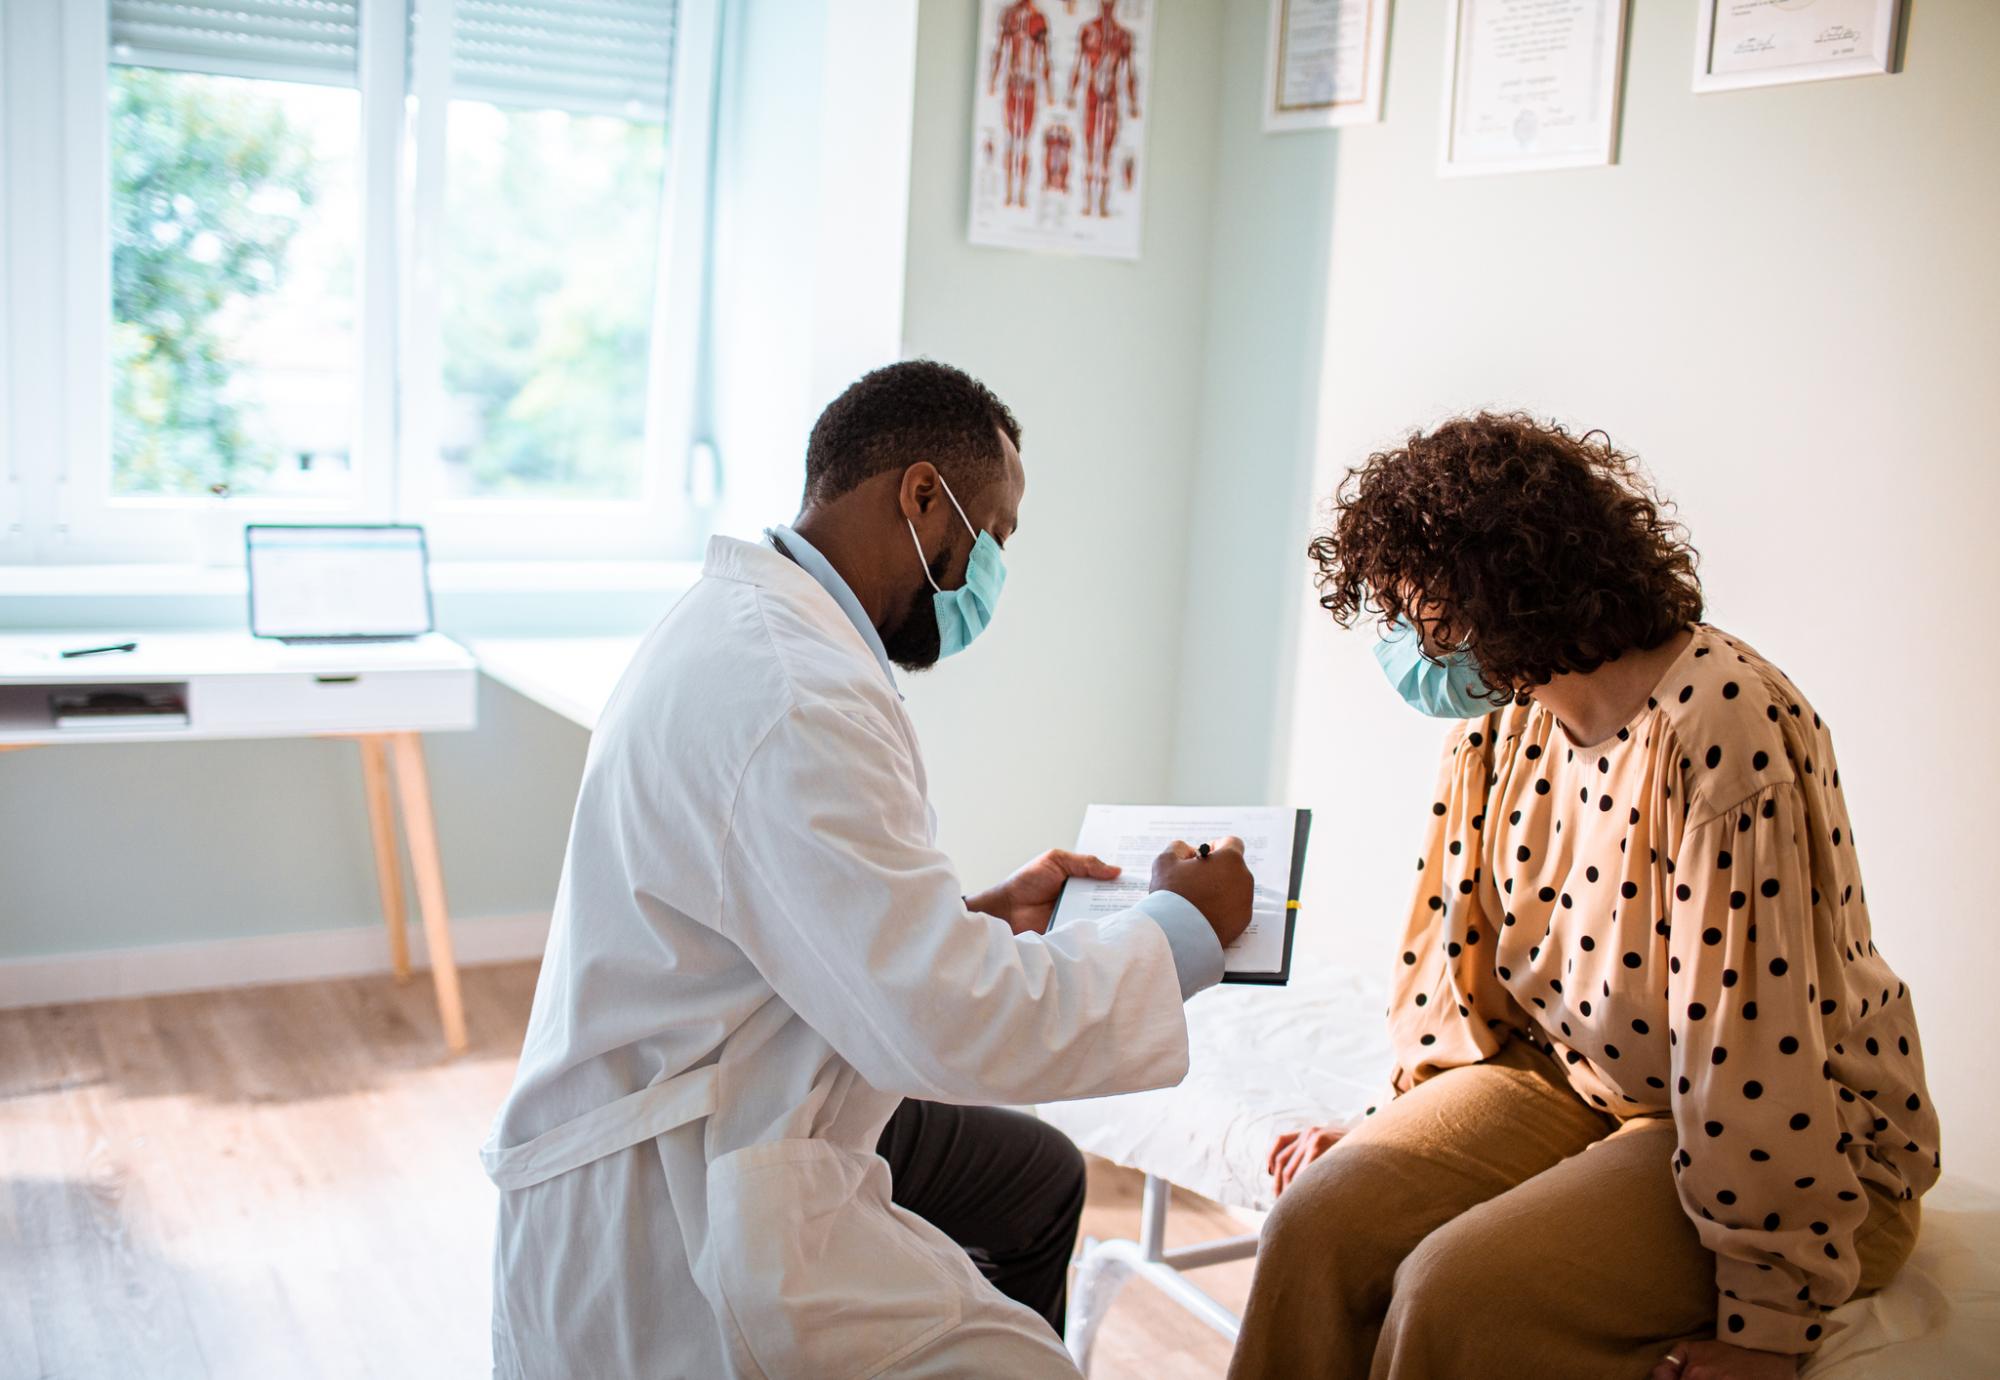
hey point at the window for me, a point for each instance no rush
(235, 214)
(555, 162)
(429, 260)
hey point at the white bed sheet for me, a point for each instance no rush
(1316, 1052)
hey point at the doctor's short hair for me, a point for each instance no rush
(892, 417)
(1539, 550)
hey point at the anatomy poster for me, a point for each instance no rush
(1059, 125)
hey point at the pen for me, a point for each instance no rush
(98, 651)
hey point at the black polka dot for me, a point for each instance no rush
(1753, 1090)
(1629, 890)
(1523, 853)
(1541, 787)
(1779, 967)
(1800, 1121)
(1770, 887)
(1714, 1128)
(1632, 959)
(1711, 935)
(1641, 1026)
(1729, 691)
(1409, 957)
(1438, 808)
(1789, 1045)
(1586, 944)
(1735, 1319)
(1687, 693)
(1428, 1040)
(1696, 1010)
(1812, 1329)
(1682, 892)
(1714, 758)
(1759, 761)
(1770, 1221)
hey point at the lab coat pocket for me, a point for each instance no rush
(820, 1274)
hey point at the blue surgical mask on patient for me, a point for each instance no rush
(1447, 688)
(963, 613)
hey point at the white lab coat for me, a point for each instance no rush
(757, 952)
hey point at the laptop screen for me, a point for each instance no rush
(337, 581)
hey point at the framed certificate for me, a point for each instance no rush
(1324, 63)
(1741, 43)
(1531, 84)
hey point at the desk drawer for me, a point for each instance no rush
(334, 703)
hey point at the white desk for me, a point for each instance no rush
(571, 676)
(235, 686)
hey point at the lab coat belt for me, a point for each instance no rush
(603, 1131)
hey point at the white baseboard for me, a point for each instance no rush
(108, 974)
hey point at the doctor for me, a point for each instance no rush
(758, 953)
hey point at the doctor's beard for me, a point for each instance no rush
(915, 643)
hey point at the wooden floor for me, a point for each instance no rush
(284, 1181)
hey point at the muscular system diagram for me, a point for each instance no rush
(1030, 135)
(1023, 52)
(1103, 57)
(1055, 158)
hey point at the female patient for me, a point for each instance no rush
(1660, 1104)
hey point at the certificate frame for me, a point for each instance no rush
(1603, 149)
(1280, 118)
(1886, 28)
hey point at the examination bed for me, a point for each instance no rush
(1270, 1059)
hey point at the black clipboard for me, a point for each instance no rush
(1301, 830)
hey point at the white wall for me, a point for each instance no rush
(1270, 222)
(1787, 302)
(1070, 697)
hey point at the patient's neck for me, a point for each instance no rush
(1593, 705)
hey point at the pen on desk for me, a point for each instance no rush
(99, 651)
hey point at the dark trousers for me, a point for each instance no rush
(1005, 1186)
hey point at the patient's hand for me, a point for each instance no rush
(1721, 1361)
(1295, 1150)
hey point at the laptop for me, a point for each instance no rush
(344, 582)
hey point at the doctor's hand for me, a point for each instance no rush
(1219, 885)
(1027, 899)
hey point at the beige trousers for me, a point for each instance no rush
(1490, 1223)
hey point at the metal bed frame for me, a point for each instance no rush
(1102, 1268)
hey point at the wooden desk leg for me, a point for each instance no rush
(413, 785)
(382, 829)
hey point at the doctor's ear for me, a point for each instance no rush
(920, 491)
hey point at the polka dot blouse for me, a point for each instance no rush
(1677, 914)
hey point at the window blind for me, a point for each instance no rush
(289, 40)
(613, 57)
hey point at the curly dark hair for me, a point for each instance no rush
(894, 416)
(1538, 551)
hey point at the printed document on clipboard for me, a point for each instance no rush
(1274, 846)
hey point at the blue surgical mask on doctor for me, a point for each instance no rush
(963, 613)
(1449, 687)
